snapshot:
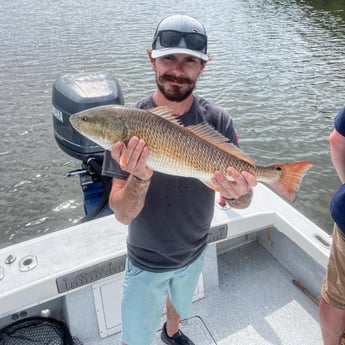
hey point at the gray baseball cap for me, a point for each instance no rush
(180, 34)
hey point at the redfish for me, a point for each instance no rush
(195, 151)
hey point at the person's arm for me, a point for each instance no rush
(337, 147)
(127, 197)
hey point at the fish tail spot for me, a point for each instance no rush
(291, 175)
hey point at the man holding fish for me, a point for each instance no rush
(167, 156)
(168, 216)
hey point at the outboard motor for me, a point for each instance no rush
(71, 94)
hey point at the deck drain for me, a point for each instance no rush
(27, 263)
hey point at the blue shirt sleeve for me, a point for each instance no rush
(337, 207)
(339, 122)
(338, 201)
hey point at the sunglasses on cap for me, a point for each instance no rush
(172, 38)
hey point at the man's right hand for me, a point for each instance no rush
(133, 157)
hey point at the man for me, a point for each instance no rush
(168, 216)
(332, 303)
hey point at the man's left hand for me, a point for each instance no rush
(241, 184)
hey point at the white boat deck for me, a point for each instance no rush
(248, 296)
(256, 303)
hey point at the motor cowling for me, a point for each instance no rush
(74, 93)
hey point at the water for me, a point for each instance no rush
(277, 66)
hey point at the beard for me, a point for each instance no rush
(175, 93)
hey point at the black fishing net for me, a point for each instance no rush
(37, 331)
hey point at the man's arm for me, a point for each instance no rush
(127, 197)
(337, 146)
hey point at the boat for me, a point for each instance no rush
(261, 283)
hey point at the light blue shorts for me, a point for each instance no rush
(145, 294)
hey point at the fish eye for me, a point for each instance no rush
(278, 168)
(84, 118)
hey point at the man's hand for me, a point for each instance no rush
(241, 185)
(132, 158)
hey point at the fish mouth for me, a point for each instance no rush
(75, 122)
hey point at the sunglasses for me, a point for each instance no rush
(172, 38)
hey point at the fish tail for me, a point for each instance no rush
(290, 178)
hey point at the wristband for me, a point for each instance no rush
(231, 201)
(139, 180)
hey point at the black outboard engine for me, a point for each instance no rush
(71, 94)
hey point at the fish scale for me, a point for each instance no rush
(171, 150)
(195, 151)
(186, 155)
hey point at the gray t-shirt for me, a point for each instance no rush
(171, 231)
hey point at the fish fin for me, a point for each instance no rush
(124, 158)
(166, 113)
(208, 133)
(290, 178)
